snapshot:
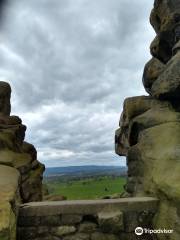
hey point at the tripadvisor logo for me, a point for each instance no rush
(139, 231)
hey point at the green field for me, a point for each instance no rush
(92, 188)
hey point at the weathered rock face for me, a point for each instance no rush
(152, 71)
(20, 171)
(149, 133)
(17, 153)
(167, 85)
(165, 20)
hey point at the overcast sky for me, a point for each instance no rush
(71, 63)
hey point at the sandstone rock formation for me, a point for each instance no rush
(20, 171)
(149, 133)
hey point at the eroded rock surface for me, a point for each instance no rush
(20, 171)
(149, 133)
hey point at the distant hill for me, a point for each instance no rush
(85, 171)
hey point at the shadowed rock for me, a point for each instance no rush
(167, 86)
(5, 95)
(164, 18)
(152, 71)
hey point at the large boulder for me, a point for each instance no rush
(132, 107)
(167, 86)
(160, 113)
(165, 18)
(165, 14)
(31, 171)
(152, 71)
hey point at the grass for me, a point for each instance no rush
(92, 188)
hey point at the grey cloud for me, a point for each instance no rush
(71, 64)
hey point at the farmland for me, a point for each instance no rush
(86, 188)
